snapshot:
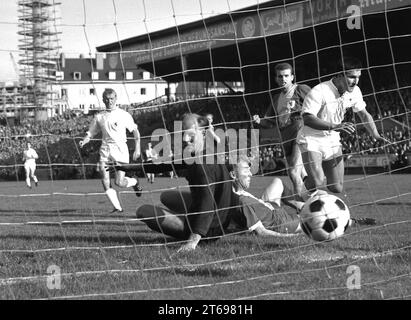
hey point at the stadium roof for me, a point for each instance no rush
(227, 46)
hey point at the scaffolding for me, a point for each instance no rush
(39, 52)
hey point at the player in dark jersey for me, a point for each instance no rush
(285, 115)
(265, 216)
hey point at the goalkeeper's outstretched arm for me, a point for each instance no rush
(148, 167)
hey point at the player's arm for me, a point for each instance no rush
(314, 122)
(269, 119)
(213, 134)
(368, 121)
(92, 131)
(148, 167)
(312, 106)
(260, 230)
(191, 243)
(202, 191)
(137, 148)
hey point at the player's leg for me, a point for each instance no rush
(176, 200)
(286, 222)
(163, 220)
(277, 192)
(33, 176)
(119, 153)
(334, 171)
(27, 172)
(110, 192)
(313, 164)
(296, 170)
(124, 182)
(273, 192)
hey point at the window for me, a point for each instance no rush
(143, 91)
(129, 75)
(92, 92)
(112, 75)
(59, 75)
(146, 75)
(64, 92)
(94, 75)
(77, 75)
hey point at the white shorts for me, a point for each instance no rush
(328, 146)
(30, 166)
(114, 153)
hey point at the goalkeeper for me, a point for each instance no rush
(207, 209)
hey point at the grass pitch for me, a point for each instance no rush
(58, 241)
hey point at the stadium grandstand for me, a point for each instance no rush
(235, 48)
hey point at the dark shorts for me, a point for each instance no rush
(289, 135)
(285, 222)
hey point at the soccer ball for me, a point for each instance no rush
(324, 217)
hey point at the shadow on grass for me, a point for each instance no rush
(73, 240)
(203, 272)
(36, 211)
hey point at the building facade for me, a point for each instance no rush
(81, 82)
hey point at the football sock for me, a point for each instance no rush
(131, 182)
(112, 196)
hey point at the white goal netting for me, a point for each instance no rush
(168, 58)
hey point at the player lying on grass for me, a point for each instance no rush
(263, 216)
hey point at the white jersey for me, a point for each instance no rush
(30, 155)
(324, 101)
(151, 154)
(112, 125)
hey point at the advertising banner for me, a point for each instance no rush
(368, 161)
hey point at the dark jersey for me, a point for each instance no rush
(251, 211)
(211, 190)
(289, 131)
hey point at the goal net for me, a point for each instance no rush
(168, 58)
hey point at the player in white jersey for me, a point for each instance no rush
(286, 115)
(151, 155)
(113, 123)
(323, 113)
(30, 156)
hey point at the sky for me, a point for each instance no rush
(86, 24)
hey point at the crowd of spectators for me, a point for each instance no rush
(56, 139)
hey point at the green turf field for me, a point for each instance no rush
(66, 226)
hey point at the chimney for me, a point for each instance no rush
(63, 60)
(99, 61)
